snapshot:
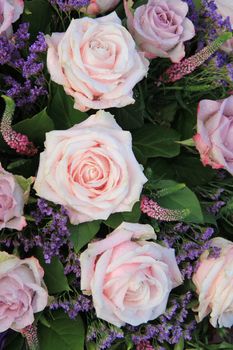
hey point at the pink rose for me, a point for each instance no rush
(10, 10)
(214, 284)
(101, 6)
(11, 202)
(22, 292)
(160, 28)
(225, 9)
(96, 62)
(130, 279)
(90, 169)
(214, 133)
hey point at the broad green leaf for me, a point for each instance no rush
(130, 117)
(61, 109)
(63, 333)
(116, 219)
(38, 13)
(83, 233)
(156, 141)
(36, 127)
(182, 199)
(54, 277)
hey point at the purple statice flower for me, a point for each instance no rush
(72, 265)
(26, 60)
(70, 5)
(192, 14)
(214, 252)
(6, 50)
(103, 334)
(215, 207)
(207, 234)
(73, 307)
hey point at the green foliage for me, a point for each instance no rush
(38, 13)
(156, 141)
(54, 277)
(62, 333)
(61, 109)
(36, 127)
(116, 219)
(181, 199)
(83, 233)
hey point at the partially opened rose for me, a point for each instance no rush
(214, 285)
(10, 10)
(160, 28)
(225, 8)
(11, 202)
(101, 6)
(214, 138)
(90, 169)
(96, 61)
(130, 278)
(22, 291)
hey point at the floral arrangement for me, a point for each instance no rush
(116, 164)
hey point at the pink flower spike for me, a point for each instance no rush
(30, 333)
(153, 210)
(178, 70)
(15, 140)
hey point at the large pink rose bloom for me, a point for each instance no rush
(101, 6)
(214, 285)
(130, 279)
(10, 10)
(11, 202)
(161, 27)
(22, 291)
(96, 62)
(214, 138)
(225, 9)
(90, 169)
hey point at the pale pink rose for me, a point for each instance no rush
(214, 285)
(225, 9)
(10, 10)
(90, 169)
(11, 202)
(22, 291)
(96, 62)
(160, 28)
(214, 138)
(130, 279)
(101, 6)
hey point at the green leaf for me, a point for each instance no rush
(63, 333)
(180, 344)
(61, 109)
(36, 127)
(156, 141)
(25, 184)
(116, 219)
(38, 13)
(82, 234)
(182, 199)
(54, 277)
(130, 117)
(14, 341)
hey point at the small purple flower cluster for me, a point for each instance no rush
(103, 334)
(12, 53)
(192, 14)
(69, 5)
(53, 233)
(73, 307)
(170, 327)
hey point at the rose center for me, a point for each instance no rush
(100, 48)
